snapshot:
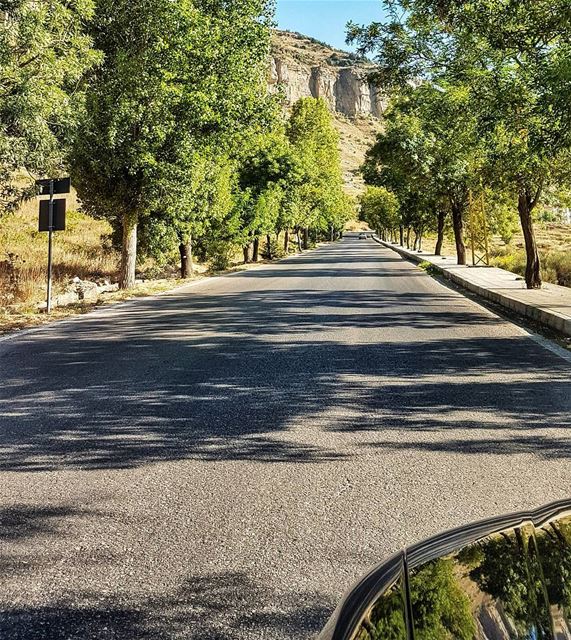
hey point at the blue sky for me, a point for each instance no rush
(326, 19)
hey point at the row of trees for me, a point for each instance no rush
(479, 105)
(160, 111)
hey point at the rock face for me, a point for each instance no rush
(302, 67)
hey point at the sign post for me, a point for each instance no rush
(52, 212)
(50, 242)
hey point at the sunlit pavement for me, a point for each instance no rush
(224, 461)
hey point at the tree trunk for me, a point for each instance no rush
(186, 262)
(306, 238)
(269, 246)
(440, 232)
(246, 251)
(415, 244)
(332, 234)
(298, 240)
(286, 241)
(129, 252)
(401, 235)
(458, 224)
(533, 266)
(256, 250)
(408, 237)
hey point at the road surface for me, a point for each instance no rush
(222, 462)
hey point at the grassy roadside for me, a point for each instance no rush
(553, 242)
(84, 250)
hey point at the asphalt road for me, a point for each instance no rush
(222, 462)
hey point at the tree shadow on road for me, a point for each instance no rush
(203, 608)
(20, 522)
(230, 375)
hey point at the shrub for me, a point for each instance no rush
(430, 268)
(558, 264)
(220, 253)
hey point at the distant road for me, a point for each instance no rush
(224, 461)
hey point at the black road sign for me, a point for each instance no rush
(61, 185)
(58, 223)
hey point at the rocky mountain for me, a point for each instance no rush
(302, 67)
(305, 67)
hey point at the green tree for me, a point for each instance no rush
(44, 56)
(380, 209)
(267, 167)
(513, 61)
(508, 569)
(322, 203)
(179, 77)
(440, 608)
(428, 156)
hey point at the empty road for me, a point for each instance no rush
(222, 462)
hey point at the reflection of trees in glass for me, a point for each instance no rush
(554, 544)
(440, 608)
(386, 620)
(509, 571)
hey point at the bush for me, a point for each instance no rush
(513, 261)
(220, 253)
(430, 268)
(555, 265)
(558, 264)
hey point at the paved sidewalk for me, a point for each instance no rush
(550, 305)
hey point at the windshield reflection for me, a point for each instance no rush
(489, 590)
(386, 620)
(554, 546)
(514, 584)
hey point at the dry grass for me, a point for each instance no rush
(20, 317)
(554, 244)
(83, 250)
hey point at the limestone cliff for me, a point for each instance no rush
(303, 67)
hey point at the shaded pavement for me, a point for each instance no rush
(225, 460)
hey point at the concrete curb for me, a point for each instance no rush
(548, 317)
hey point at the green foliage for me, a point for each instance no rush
(44, 56)
(487, 82)
(161, 110)
(179, 79)
(430, 268)
(379, 208)
(386, 620)
(440, 608)
(509, 571)
(320, 200)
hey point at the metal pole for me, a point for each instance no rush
(50, 233)
(472, 226)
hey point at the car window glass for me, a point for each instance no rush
(489, 590)
(386, 619)
(554, 547)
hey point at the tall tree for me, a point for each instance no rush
(178, 74)
(315, 141)
(379, 209)
(513, 59)
(428, 155)
(44, 56)
(267, 167)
